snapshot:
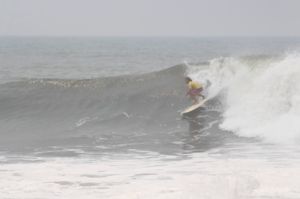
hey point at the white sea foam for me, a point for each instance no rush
(200, 176)
(261, 98)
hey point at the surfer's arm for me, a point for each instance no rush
(189, 87)
(188, 92)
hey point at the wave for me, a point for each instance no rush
(254, 96)
(47, 109)
(260, 95)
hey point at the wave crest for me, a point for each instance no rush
(260, 98)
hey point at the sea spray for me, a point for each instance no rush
(259, 100)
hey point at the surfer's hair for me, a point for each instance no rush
(188, 79)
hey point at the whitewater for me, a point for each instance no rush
(100, 118)
(261, 98)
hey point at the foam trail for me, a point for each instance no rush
(260, 99)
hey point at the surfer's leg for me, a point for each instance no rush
(199, 94)
(202, 96)
(194, 96)
(195, 99)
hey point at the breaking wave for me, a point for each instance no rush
(260, 95)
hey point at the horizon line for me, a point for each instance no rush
(155, 36)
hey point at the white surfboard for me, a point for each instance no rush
(193, 107)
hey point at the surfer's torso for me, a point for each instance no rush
(194, 85)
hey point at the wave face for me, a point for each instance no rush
(260, 95)
(93, 110)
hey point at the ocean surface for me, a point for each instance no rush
(87, 118)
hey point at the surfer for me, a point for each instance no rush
(194, 90)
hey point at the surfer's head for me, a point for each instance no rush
(187, 79)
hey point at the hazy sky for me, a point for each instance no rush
(150, 17)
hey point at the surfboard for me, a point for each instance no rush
(193, 108)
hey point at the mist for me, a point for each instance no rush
(150, 18)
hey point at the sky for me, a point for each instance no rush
(150, 17)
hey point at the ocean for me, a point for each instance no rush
(99, 117)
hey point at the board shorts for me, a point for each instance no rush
(195, 92)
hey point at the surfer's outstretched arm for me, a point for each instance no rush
(208, 83)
